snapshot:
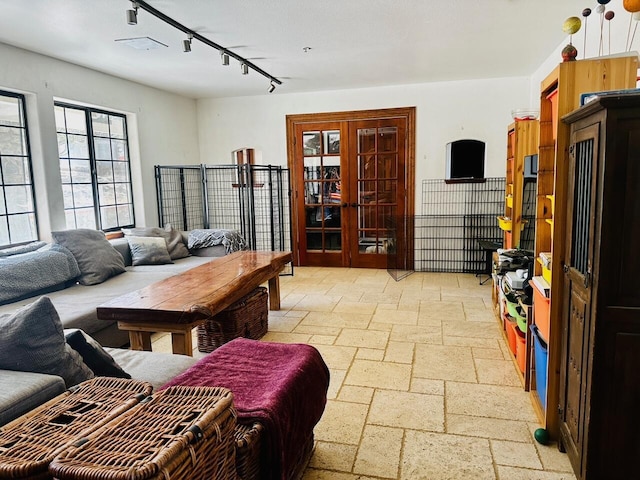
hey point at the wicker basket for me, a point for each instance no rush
(182, 433)
(247, 318)
(29, 443)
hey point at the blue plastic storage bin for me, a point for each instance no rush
(541, 358)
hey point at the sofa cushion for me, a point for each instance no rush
(21, 392)
(148, 251)
(175, 244)
(153, 367)
(28, 273)
(96, 257)
(32, 340)
(93, 354)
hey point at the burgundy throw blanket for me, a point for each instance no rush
(282, 386)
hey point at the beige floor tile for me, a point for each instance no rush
(313, 474)
(399, 352)
(512, 473)
(488, 428)
(333, 456)
(489, 353)
(444, 363)
(318, 303)
(369, 354)
(335, 383)
(440, 279)
(551, 457)
(352, 393)
(337, 319)
(497, 372)
(379, 452)
(425, 385)
(457, 328)
(441, 310)
(382, 327)
(391, 376)
(380, 297)
(317, 330)
(515, 454)
(290, 300)
(396, 317)
(363, 338)
(342, 422)
(437, 456)
(417, 334)
(415, 411)
(336, 356)
(493, 401)
(349, 306)
(283, 324)
(479, 314)
(471, 342)
(322, 339)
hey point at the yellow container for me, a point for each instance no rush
(546, 274)
(509, 199)
(504, 223)
(553, 206)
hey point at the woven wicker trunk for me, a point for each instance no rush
(29, 443)
(182, 433)
(248, 318)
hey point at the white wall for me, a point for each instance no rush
(447, 111)
(615, 41)
(162, 126)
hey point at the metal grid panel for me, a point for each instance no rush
(454, 218)
(253, 199)
(180, 196)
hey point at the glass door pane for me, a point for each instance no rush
(377, 159)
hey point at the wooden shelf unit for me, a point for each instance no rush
(522, 140)
(559, 95)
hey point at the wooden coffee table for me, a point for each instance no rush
(179, 303)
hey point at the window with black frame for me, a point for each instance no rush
(18, 223)
(94, 167)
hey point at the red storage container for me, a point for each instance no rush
(541, 312)
(521, 349)
(512, 326)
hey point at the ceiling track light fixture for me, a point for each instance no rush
(186, 44)
(272, 87)
(132, 15)
(245, 65)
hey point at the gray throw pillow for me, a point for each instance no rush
(175, 244)
(96, 257)
(32, 340)
(148, 250)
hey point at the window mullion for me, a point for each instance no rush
(92, 166)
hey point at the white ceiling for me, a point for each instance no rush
(354, 43)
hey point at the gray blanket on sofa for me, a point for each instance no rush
(31, 273)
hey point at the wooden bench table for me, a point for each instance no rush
(179, 303)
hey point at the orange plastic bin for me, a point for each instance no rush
(541, 313)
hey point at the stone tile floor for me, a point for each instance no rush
(422, 383)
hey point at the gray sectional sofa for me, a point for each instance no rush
(75, 304)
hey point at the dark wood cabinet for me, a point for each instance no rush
(599, 388)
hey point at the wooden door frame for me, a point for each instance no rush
(407, 113)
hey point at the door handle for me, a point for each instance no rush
(345, 205)
(354, 204)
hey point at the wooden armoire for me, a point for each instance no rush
(599, 394)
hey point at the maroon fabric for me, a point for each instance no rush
(283, 386)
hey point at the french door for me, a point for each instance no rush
(351, 188)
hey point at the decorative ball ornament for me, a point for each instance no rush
(541, 436)
(603, 2)
(631, 5)
(586, 12)
(569, 53)
(600, 8)
(571, 25)
(609, 15)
